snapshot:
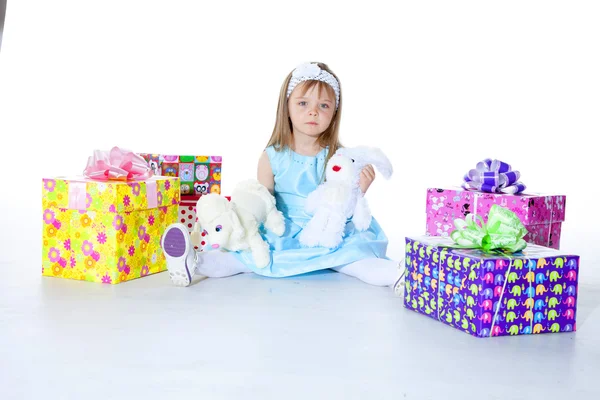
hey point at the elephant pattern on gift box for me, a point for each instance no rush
(491, 297)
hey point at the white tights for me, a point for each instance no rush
(374, 271)
(219, 264)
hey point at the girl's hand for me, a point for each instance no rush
(367, 176)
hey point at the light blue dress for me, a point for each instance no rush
(295, 177)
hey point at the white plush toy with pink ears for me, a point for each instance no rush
(340, 197)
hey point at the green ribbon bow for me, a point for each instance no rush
(503, 232)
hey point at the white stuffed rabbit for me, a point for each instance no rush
(340, 197)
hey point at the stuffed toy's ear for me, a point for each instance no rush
(383, 164)
(237, 231)
(210, 206)
(372, 155)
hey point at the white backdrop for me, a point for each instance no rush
(437, 85)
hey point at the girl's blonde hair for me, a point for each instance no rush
(282, 132)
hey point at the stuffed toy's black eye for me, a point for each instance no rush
(218, 228)
(352, 159)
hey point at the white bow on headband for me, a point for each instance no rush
(312, 72)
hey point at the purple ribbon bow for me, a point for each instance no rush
(493, 177)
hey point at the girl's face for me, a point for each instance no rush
(311, 112)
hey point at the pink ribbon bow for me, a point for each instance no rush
(118, 164)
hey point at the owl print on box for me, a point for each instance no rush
(170, 169)
(216, 174)
(186, 188)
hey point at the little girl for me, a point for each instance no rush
(304, 138)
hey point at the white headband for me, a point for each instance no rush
(312, 72)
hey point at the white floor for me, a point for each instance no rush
(320, 336)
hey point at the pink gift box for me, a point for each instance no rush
(541, 214)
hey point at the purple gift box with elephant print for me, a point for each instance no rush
(530, 292)
(541, 214)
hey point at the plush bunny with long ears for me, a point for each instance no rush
(340, 197)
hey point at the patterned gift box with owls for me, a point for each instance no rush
(530, 292)
(106, 232)
(541, 214)
(198, 174)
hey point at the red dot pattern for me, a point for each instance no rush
(188, 216)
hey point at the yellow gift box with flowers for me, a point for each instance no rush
(106, 231)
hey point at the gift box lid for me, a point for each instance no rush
(81, 193)
(531, 208)
(532, 251)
